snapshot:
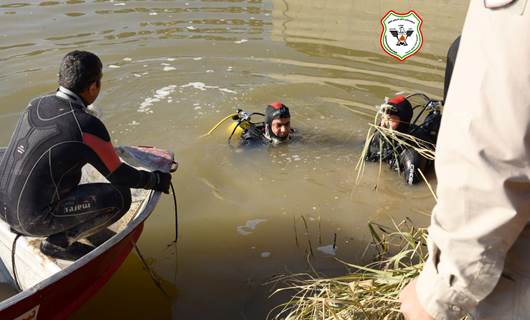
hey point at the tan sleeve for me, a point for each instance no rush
(482, 162)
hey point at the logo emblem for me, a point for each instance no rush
(401, 36)
(21, 149)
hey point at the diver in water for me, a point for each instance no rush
(276, 128)
(56, 136)
(397, 115)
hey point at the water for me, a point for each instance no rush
(172, 69)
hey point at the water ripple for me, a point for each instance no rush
(74, 14)
(15, 5)
(417, 78)
(73, 36)
(49, 3)
(20, 45)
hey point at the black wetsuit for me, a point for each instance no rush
(254, 136)
(404, 159)
(41, 170)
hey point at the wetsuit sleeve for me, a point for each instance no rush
(482, 163)
(105, 159)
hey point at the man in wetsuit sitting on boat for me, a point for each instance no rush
(41, 169)
(276, 128)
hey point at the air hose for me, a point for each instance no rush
(218, 124)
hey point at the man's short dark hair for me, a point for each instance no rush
(79, 69)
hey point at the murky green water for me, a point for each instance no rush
(173, 69)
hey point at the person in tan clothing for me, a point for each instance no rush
(479, 247)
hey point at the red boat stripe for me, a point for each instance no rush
(104, 150)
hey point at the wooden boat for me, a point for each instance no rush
(49, 288)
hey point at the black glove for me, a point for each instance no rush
(159, 181)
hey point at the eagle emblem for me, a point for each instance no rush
(401, 35)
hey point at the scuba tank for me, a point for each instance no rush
(233, 127)
(241, 126)
(428, 129)
(240, 123)
(410, 160)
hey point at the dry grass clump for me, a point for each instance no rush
(368, 292)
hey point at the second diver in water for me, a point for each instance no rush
(397, 117)
(274, 130)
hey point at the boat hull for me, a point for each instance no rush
(61, 298)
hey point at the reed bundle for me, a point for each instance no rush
(393, 138)
(368, 292)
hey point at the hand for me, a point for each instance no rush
(410, 304)
(163, 180)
